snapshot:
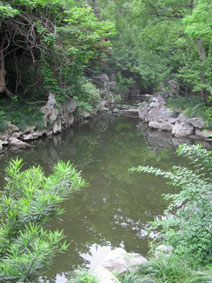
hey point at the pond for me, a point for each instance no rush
(113, 211)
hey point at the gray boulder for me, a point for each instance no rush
(167, 127)
(160, 115)
(163, 250)
(154, 125)
(130, 112)
(56, 116)
(16, 143)
(66, 112)
(143, 111)
(33, 135)
(51, 114)
(207, 135)
(103, 275)
(102, 105)
(85, 114)
(119, 261)
(196, 122)
(174, 87)
(182, 128)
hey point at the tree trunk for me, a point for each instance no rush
(201, 49)
(204, 58)
(3, 87)
(2, 72)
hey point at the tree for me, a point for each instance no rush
(64, 34)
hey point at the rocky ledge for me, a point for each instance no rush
(117, 262)
(56, 118)
(159, 117)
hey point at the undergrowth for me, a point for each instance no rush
(193, 106)
(20, 114)
(186, 223)
(82, 276)
(167, 270)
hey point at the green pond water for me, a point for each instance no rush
(116, 207)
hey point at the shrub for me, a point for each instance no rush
(28, 200)
(187, 223)
(82, 276)
(87, 95)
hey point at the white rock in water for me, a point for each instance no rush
(119, 261)
(104, 276)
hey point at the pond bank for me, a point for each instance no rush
(56, 118)
(159, 117)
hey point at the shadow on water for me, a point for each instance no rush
(116, 207)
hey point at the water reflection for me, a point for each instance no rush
(115, 209)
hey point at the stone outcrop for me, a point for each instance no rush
(56, 115)
(159, 117)
(129, 112)
(163, 251)
(173, 87)
(117, 261)
(102, 275)
(16, 143)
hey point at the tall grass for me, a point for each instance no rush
(167, 270)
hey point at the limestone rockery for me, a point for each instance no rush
(56, 117)
(159, 117)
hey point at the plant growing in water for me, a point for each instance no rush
(28, 200)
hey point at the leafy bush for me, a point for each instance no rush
(123, 84)
(28, 200)
(82, 276)
(187, 223)
(87, 95)
(182, 103)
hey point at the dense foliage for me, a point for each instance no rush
(162, 39)
(187, 222)
(29, 200)
(48, 43)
